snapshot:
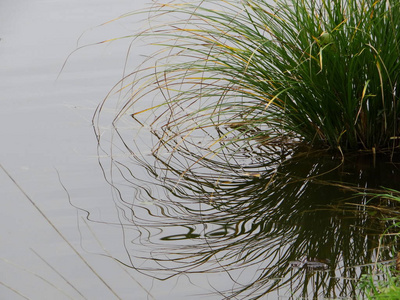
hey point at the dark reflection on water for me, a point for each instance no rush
(269, 220)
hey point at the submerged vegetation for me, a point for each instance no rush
(325, 73)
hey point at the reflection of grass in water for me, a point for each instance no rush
(248, 208)
(76, 252)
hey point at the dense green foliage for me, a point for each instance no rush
(334, 67)
(325, 72)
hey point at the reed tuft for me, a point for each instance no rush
(322, 72)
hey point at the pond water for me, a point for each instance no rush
(145, 227)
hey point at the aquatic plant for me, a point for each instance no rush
(322, 72)
(381, 283)
(382, 280)
(240, 86)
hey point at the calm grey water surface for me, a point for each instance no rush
(45, 125)
(46, 128)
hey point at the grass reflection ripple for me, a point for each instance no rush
(248, 214)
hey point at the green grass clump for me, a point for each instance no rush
(325, 72)
(375, 288)
(383, 281)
